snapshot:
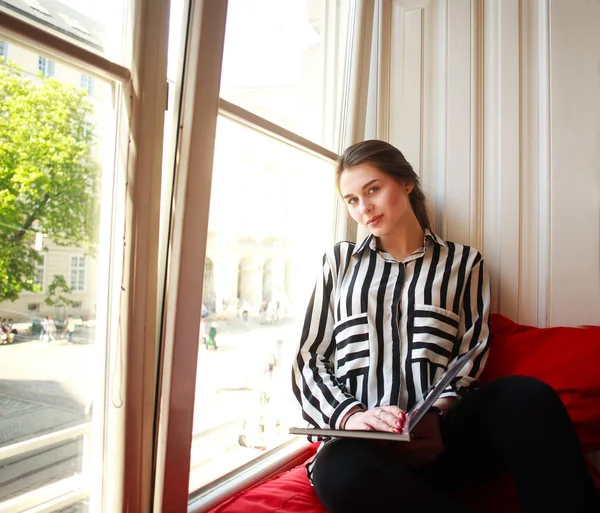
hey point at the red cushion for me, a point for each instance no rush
(566, 358)
(288, 492)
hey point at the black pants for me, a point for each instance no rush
(514, 423)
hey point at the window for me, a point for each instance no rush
(4, 49)
(86, 82)
(77, 274)
(34, 4)
(76, 24)
(105, 242)
(45, 66)
(33, 307)
(38, 281)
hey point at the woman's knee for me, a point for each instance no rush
(346, 463)
(522, 394)
(346, 472)
(525, 386)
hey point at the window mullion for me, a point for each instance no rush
(144, 110)
(235, 112)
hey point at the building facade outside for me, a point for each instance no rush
(76, 264)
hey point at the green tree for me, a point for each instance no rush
(48, 175)
(56, 292)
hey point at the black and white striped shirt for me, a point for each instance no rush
(380, 332)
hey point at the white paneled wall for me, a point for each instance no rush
(574, 161)
(496, 103)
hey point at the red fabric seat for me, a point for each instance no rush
(565, 358)
(289, 491)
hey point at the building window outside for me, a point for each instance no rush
(33, 307)
(76, 24)
(4, 49)
(46, 66)
(86, 82)
(38, 283)
(34, 4)
(77, 274)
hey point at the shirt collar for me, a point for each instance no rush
(371, 242)
(438, 240)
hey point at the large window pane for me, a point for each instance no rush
(285, 60)
(57, 138)
(271, 218)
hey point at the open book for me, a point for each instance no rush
(412, 417)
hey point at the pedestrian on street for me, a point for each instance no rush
(44, 330)
(69, 329)
(51, 329)
(212, 336)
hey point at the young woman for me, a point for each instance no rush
(386, 318)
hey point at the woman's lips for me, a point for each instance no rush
(374, 220)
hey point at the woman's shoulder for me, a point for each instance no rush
(344, 245)
(339, 254)
(341, 248)
(468, 252)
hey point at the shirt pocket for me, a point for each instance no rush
(434, 337)
(351, 336)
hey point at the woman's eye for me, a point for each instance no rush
(351, 201)
(373, 189)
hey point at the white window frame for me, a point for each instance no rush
(31, 292)
(46, 66)
(76, 24)
(42, 267)
(79, 270)
(126, 453)
(87, 82)
(35, 5)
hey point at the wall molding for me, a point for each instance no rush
(544, 163)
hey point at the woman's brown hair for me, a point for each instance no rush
(388, 160)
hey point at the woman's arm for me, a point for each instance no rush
(323, 399)
(473, 329)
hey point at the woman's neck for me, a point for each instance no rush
(404, 241)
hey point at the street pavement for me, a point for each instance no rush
(45, 388)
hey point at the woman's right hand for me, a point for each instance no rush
(381, 418)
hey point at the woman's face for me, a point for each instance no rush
(375, 199)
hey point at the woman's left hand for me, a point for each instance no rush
(426, 442)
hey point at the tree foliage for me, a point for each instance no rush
(56, 292)
(48, 175)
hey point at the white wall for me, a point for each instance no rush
(497, 105)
